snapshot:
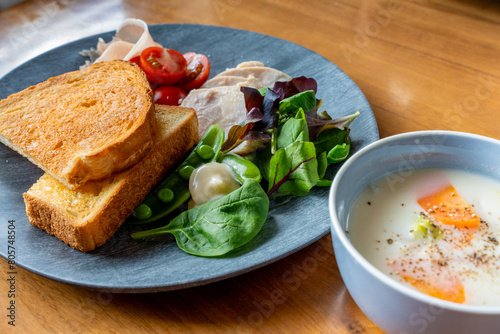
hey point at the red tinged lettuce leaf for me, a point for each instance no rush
(269, 109)
(252, 142)
(297, 85)
(267, 104)
(318, 125)
(253, 98)
(236, 136)
(237, 133)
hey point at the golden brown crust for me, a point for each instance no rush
(57, 222)
(111, 200)
(82, 126)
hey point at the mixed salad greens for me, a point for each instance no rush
(282, 148)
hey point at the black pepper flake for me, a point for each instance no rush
(478, 258)
(369, 203)
(494, 241)
(390, 241)
(442, 263)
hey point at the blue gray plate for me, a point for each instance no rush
(125, 265)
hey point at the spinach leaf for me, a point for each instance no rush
(335, 143)
(322, 163)
(219, 226)
(338, 153)
(295, 129)
(324, 183)
(328, 139)
(264, 161)
(293, 170)
(290, 105)
(332, 146)
(305, 100)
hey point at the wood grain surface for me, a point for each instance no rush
(421, 64)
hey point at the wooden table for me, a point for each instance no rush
(422, 65)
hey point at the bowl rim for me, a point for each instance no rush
(385, 279)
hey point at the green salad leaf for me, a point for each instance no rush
(330, 138)
(335, 143)
(264, 161)
(338, 153)
(293, 170)
(295, 129)
(322, 164)
(304, 100)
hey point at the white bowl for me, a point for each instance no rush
(392, 306)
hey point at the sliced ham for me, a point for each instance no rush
(226, 80)
(130, 39)
(250, 63)
(259, 76)
(220, 101)
(219, 105)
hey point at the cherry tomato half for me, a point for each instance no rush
(163, 66)
(197, 71)
(169, 95)
(136, 59)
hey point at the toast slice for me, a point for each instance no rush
(82, 126)
(86, 218)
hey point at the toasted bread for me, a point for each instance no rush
(82, 126)
(86, 218)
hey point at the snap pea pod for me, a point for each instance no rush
(174, 190)
(242, 168)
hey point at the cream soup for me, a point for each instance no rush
(437, 230)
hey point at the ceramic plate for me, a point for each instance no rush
(125, 265)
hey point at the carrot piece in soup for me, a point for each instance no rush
(447, 206)
(453, 293)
